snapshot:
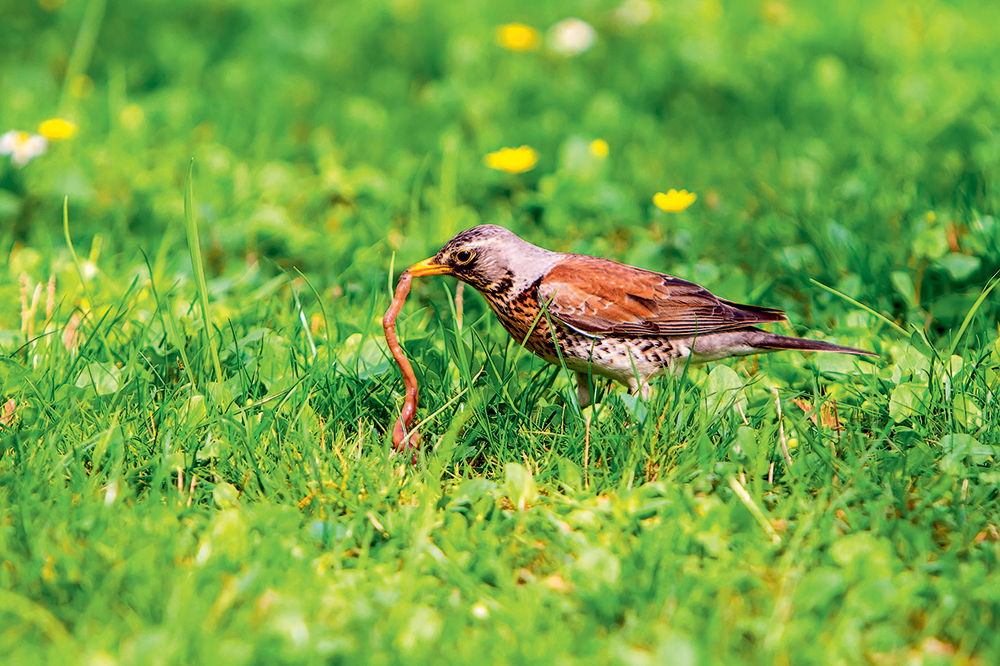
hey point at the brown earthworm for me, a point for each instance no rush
(402, 437)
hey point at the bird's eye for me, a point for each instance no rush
(463, 257)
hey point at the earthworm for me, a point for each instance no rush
(402, 437)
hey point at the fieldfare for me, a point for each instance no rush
(598, 317)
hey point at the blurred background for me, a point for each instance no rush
(852, 142)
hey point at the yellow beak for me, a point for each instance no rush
(428, 267)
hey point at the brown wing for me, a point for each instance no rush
(600, 297)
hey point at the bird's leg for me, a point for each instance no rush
(638, 385)
(583, 393)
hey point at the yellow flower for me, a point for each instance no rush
(512, 160)
(599, 148)
(517, 37)
(55, 129)
(674, 201)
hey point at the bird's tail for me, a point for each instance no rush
(746, 341)
(772, 341)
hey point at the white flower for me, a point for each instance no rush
(22, 147)
(571, 37)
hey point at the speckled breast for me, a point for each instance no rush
(521, 317)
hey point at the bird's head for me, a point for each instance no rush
(488, 258)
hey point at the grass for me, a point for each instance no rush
(194, 454)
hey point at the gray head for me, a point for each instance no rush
(486, 257)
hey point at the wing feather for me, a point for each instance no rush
(599, 297)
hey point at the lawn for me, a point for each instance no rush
(196, 399)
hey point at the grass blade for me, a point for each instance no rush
(899, 329)
(972, 312)
(194, 246)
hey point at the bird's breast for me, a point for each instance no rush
(521, 316)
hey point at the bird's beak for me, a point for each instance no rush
(428, 267)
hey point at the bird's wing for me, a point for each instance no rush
(599, 297)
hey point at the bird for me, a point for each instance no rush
(599, 317)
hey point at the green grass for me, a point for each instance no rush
(194, 455)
